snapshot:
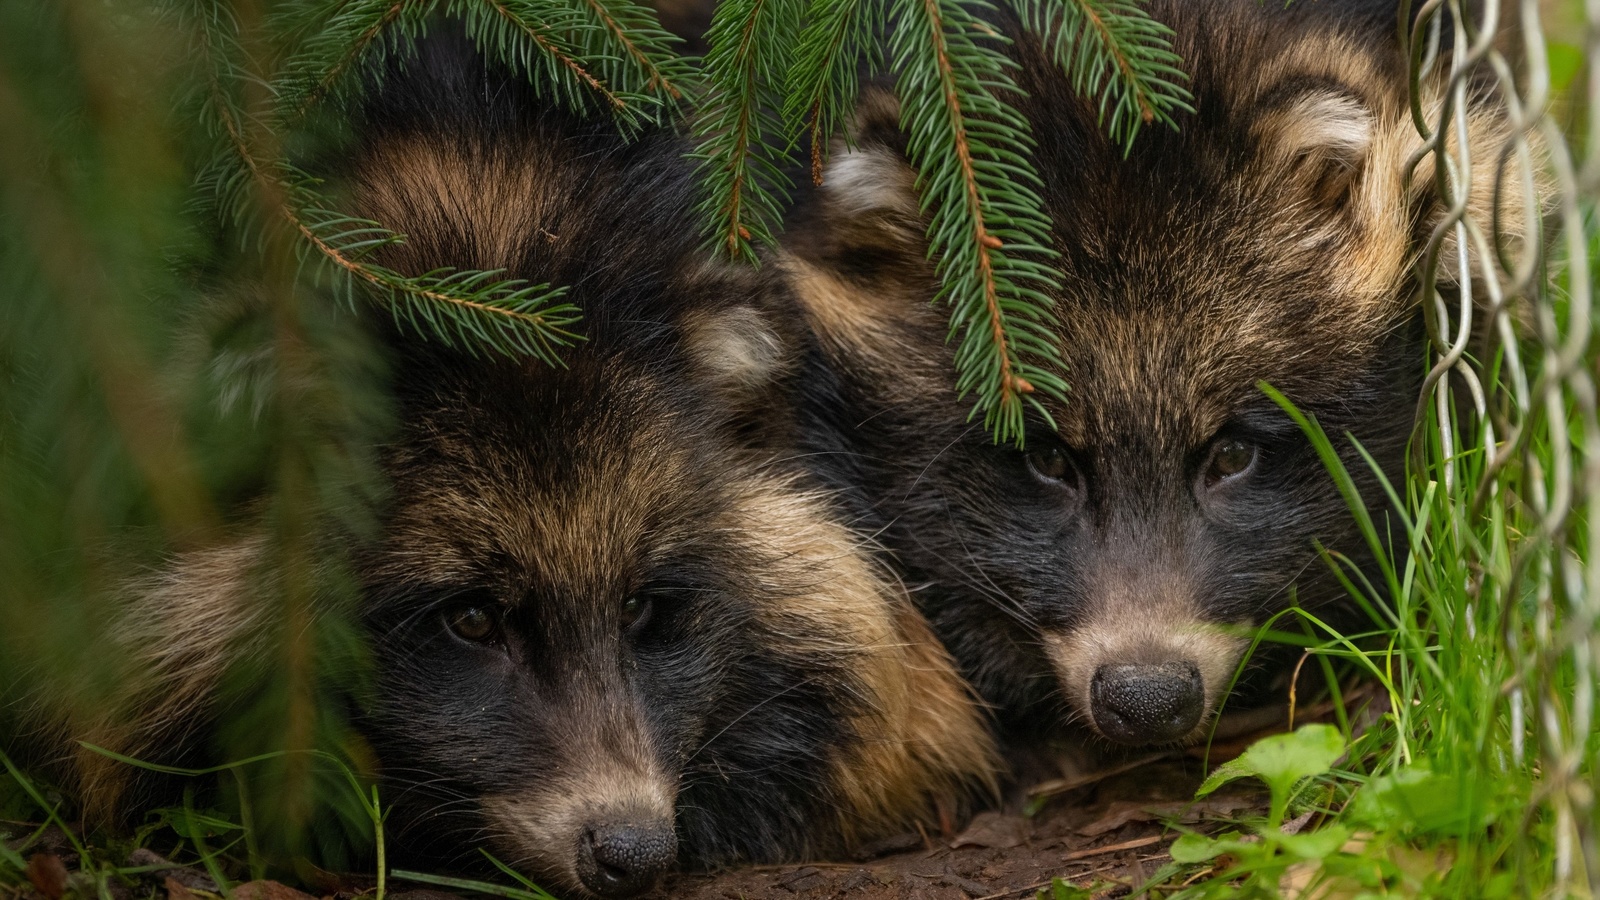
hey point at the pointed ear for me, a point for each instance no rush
(1316, 144)
(743, 351)
(1336, 147)
(864, 219)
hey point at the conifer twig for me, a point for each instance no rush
(988, 230)
(746, 188)
(657, 78)
(371, 275)
(474, 294)
(1010, 385)
(823, 82)
(736, 231)
(1113, 50)
(351, 54)
(555, 53)
(1136, 86)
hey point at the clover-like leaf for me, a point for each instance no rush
(1282, 759)
(1197, 848)
(1420, 800)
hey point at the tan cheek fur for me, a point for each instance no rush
(923, 736)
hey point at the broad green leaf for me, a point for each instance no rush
(1282, 760)
(1195, 848)
(1317, 844)
(1418, 801)
(1232, 770)
(1062, 890)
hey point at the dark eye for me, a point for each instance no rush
(478, 624)
(1229, 458)
(1050, 463)
(636, 613)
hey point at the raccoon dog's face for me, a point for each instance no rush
(564, 616)
(1115, 566)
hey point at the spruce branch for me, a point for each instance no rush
(824, 81)
(746, 189)
(988, 230)
(613, 50)
(637, 51)
(463, 309)
(336, 41)
(1113, 50)
(509, 26)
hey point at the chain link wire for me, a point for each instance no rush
(1507, 290)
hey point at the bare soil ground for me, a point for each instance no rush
(1104, 830)
(1104, 824)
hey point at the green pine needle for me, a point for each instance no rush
(338, 41)
(825, 78)
(464, 309)
(1113, 50)
(741, 145)
(544, 39)
(632, 50)
(988, 230)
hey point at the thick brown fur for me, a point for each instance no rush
(679, 628)
(1269, 239)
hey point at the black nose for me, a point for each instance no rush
(1153, 704)
(623, 860)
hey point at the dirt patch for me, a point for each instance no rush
(1104, 830)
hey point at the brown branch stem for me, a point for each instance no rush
(1146, 112)
(1010, 383)
(742, 133)
(366, 274)
(355, 51)
(639, 55)
(547, 46)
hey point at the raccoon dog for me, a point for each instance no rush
(1105, 575)
(614, 627)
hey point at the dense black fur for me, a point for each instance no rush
(1195, 267)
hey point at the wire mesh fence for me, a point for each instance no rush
(1512, 334)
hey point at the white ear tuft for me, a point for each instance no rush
(1325, 125)
(738, 348)
(871, 179)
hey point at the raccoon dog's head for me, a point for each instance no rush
(1114, 565)
(612, 627)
